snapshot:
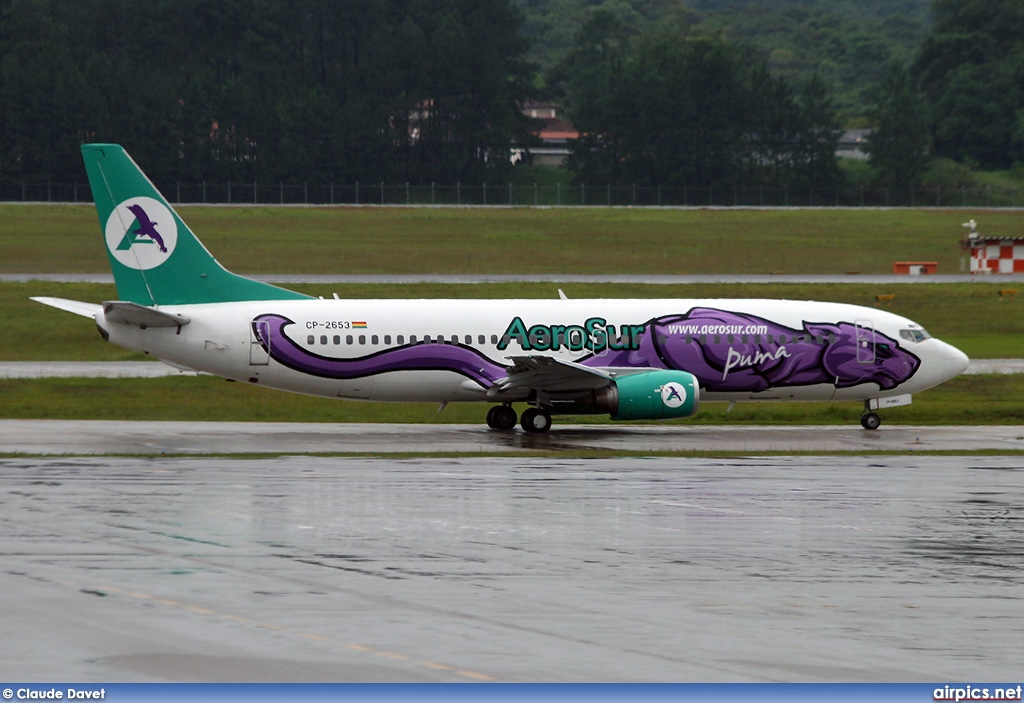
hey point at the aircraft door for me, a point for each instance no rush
(865, 336)
(258, 354)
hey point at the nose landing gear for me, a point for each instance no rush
(870, 420)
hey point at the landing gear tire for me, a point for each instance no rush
(870, 421)
(501, 417)
(535, 420)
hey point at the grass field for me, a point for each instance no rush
(970, 315)
(347, 240)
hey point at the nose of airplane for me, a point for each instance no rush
(955, 362)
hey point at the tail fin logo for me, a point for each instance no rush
(141, 233)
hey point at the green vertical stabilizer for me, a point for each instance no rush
(155, 257)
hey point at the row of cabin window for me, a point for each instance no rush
(400, 339)
(482, 339)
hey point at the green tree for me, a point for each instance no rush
(898, 144)
(971, 66)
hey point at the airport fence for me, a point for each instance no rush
(508, 194)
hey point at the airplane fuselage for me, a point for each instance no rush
(455, 350)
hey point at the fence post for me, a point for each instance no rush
(280, 188)
(485, 192)
(583, 193)
(634, 194)
(178, 191)
(609, 198)
(535, 195)
(357, 192)
(255, 198)
(382, 192)
(332, 192)
(204, 192)
(49, 193)
(432, 193)
(558, 194)
(510, 195)
(458, 194)
(229, 192)
(407, 192)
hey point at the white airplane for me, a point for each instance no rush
(630, 359)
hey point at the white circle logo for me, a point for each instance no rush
(673, 394)
(141, 233)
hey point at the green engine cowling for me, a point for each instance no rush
(655, 395)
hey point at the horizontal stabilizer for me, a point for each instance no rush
(141, 316)
(79, 308)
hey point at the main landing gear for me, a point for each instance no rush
(503, 417)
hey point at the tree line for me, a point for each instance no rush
(395, 90)
(423, 91)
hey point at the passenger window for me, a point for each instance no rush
(348, 339)
(310, 339)
(481, 340)
(362, 339)
(387, 339)
(337, 339)
(374, 340)
(323, 339)
(401, 339)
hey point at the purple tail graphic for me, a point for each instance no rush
(417, 357)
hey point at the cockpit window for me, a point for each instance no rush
(915, 334)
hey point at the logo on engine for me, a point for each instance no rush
(141, 233)
(673, 394)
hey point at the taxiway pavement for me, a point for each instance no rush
(512, 569)
(85, 437)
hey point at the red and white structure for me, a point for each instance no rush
(993, 254)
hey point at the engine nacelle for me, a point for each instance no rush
(653, 395)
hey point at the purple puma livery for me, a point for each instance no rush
(746, 365)
(779, 357)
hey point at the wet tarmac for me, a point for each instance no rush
(512, 569)
(92, 437)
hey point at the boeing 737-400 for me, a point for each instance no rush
(632, 359)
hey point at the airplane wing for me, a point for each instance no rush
(552, 375)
